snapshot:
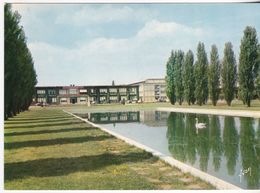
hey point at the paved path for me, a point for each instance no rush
(239, 113)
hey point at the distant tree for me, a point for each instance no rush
(247, 69)
(170, 86)
(188, 78)
(178, 76)
(201, 79)
(229, 73)
(214, 75)
(113, 83)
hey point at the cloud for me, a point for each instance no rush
(104, 14)
(156, 28)
(103, 59)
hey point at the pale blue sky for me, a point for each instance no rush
(88, 44)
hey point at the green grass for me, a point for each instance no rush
(236, 105)
(47, 149)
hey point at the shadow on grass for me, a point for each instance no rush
(58, 141)
(49, 131)
(38, 118)
(44, 125)
(39, 121)
(65, 166)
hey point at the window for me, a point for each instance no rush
(53, 100)
(123, 98)
(82, 99)
(113, 98)
(122, 90)
(133, 98)
(113, 90)
(63, 100)
(83, 91)
(102, 99)
(92, 99)
(63, 91)
(41, 99)
(132, 90)
(103, 90)
(93, 90)
(40, 91)
(52, 92)
(73, 91)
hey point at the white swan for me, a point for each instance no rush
(199, 125)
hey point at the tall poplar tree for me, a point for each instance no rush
(258, 74)
(214, 75)
(170, 86)
(19, 73)
(201, 79)
(229, 73)
(178, 79)
(247, 69)
(188, 78)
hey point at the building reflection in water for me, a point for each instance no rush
(112, 117)
(149, 118)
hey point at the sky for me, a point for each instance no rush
(94, 44)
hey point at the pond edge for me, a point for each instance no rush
(233, 113)
(218, 183)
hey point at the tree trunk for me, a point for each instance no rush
(248, 103)
(229, 103)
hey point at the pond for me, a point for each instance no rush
(228, 148)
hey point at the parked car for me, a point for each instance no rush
(42, 104)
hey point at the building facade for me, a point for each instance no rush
(86, 94)
(152, 90)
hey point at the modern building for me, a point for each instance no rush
(86, 94)
(152, 90)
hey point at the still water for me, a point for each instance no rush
(228, 148)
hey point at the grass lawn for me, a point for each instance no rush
(48, 149)
(236, 105)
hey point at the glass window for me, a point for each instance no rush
(82, 91)
(103, 90)
(53, 100)
(102, 98)
(112, 90)
(63, 100)
(122, 90)
(40, 91)
(41, 99)
(73, 91)
(93, 90)
(62, 91)
(82, 99)
(132, 90)
(113, 98)
(52, 92)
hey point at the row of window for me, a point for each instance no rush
(84, 99)
(84, 91)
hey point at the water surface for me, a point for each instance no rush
(228, 148)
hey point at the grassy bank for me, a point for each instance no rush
(236, 105)
(46, 148)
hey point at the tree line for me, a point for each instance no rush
(200, 80)
(19, 73)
